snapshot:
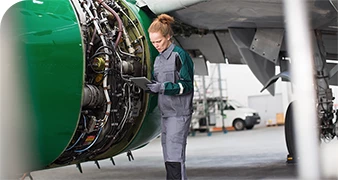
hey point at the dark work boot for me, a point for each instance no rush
(173, 170)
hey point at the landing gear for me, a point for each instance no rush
(324, 100)
(290, 135)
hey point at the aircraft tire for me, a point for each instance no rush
(289, 134)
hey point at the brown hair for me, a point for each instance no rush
(162, 24)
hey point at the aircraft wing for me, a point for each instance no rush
(248, 32)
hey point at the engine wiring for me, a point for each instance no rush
(114, 52)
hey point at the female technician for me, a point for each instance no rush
(174, 76)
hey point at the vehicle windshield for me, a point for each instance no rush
(237, 104)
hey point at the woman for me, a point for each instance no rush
(173, 81)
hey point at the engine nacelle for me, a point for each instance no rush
(112, 106)
(74, 59)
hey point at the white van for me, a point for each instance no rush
(236, 116)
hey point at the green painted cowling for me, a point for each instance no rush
(50, 55)
(49, 45)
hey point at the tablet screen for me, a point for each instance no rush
(141, 82)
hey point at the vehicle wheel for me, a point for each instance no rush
(239, 124)
(249, 127)
(289, 134)
(202, 130)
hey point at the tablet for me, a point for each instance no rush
(141, 82)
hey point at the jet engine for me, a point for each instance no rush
(74, 60)
(115, 50)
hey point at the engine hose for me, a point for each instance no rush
(118, 20)
(81, 136)
(85, 149)
(92, 41)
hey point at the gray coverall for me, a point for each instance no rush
(175, 70)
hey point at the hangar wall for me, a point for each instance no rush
(240, 84)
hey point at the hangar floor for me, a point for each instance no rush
(259, 153)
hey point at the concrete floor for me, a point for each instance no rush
(259, 153)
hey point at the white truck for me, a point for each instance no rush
(235, 116)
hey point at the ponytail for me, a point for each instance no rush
(162, 24)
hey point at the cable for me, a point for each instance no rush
(85, 149)
(81, 136)
(120, 24)
(100, 53)
(138, 32)
(110, 48)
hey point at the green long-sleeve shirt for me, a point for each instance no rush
(175, 70)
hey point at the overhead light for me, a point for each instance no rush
(37, 2)
(331, 61)
(335, 27)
